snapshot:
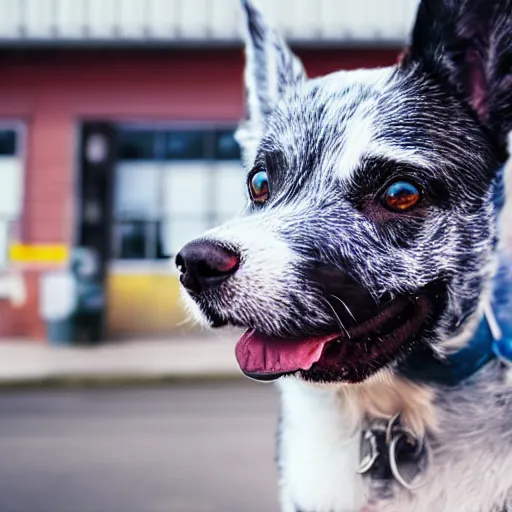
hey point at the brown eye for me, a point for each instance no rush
(401, 196)
(258, 186)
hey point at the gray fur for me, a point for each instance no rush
(471, 456)
(331, 146)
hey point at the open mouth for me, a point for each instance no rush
(351, 355)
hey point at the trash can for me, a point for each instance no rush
(57, 305)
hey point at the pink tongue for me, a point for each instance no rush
(257, 353)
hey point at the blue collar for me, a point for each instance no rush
(457, 367)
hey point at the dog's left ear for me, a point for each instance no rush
(270, 69)
(468, 44)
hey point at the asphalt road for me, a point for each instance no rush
(180, 449)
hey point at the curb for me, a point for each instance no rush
(115, 381)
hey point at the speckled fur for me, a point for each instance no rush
(440, 118)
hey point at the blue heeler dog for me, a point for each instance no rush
(368, 272)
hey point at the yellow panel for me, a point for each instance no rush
(143, 303)
(41, 253)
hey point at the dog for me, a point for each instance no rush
(368, 271)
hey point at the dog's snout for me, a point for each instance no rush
(204, 264)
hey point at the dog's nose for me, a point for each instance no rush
(204, 264)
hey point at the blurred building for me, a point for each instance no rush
(116, 134)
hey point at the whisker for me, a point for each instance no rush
(338, 318)
(346, 307)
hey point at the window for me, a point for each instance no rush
(11, 187)
(171, 186)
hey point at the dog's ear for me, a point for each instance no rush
(468, 44)
(270, 69)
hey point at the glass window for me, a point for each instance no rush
(179, 231)
(194, 182)
(8, 142)
(226, 147)
(131, 237)
(11, 186)
(230, 189)
(11, 189)
(137, 190)
(186, 189)
(136, 145)
(162, 243)
(185, 145)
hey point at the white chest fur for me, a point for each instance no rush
(319, 451)
(471, 459)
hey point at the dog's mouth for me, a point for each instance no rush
(349, 355)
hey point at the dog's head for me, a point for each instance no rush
(370, 229)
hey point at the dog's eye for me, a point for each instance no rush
(258, 186)
(401, 196)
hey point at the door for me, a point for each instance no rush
(92, 246)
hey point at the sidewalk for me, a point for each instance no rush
(25, 361)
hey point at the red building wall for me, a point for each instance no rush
(51, 91)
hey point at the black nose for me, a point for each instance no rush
(204, 264)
